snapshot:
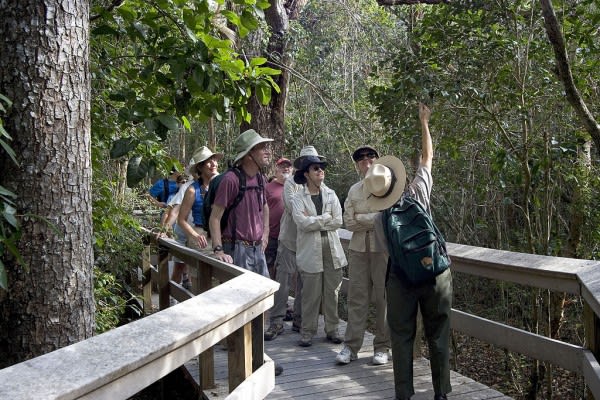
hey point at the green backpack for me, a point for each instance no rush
(416, 247)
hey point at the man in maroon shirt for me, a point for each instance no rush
(274, 193)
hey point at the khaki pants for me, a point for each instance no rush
(321, 288)
(366, 271)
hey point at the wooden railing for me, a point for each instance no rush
(579, 277)
(121, 362)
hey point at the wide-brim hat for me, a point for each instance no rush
(200, 155)
(306, 162)
(245, 142)
(384, 182)
(362, 149)
(305, 152)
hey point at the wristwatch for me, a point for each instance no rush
(217, 248)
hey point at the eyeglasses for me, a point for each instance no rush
(317, 167)
(364, 156)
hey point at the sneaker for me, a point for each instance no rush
(273, 331)
(334, 337)
(305, 341)
(345, 356)
(380, 358)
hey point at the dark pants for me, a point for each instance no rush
(271, 256)
(435, 302)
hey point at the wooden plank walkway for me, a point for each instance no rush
(312, 373)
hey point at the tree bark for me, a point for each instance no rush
(564, 71)
(269, 120)
(44, 70)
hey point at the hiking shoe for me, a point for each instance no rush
(345, 356)
(305, 341)
(334, 337)
(289, 316)
(273, 331)
(380, 358)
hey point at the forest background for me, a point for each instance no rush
(515, 165)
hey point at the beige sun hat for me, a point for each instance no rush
(305, 152)
(245, 142)
(200, 155)
(384, 182)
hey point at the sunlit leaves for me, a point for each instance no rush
(164, 63)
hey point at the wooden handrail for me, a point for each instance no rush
(122, 361)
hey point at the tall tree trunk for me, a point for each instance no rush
(269, 120)
(557, 41)
(44, 70)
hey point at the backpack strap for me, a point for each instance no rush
(238, 199)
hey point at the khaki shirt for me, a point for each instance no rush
(360, 220)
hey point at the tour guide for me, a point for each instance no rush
(384, 186)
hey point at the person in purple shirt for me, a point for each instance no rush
(246, 234)
(274, 193)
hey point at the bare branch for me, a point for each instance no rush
(409, 2)
(114, 4)
(564, 72)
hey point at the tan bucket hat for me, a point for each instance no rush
(384, 182)
(200, 155)
(246, 141)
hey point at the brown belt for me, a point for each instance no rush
(247, 243)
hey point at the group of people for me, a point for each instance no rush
(286, 229)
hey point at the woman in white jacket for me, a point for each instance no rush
(319, 255)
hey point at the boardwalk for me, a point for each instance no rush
(311, 373)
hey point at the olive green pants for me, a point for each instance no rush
(435, 303)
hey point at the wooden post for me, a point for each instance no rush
(592, 336)
(164, 300)
(258, 342)
(147, 288)
(239, 357)
(206, 361)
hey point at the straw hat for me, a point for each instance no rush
(245, 142)
(200, 155)
(384, 182)
(306, 151)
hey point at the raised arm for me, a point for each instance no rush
(426, 144)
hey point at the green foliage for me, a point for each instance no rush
(179, 65)
(110, 305)
(9, 225)
(500, 121)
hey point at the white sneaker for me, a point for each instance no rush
(345, 356)
(380, 358)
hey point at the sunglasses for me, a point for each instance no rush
(364, 156)
(317, 167)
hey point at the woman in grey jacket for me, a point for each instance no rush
(319, 255)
